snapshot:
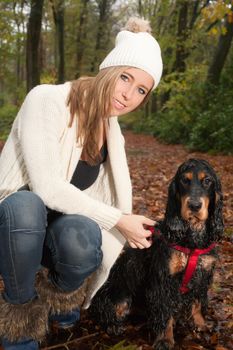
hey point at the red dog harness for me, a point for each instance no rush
(192, 259)
(192, 263)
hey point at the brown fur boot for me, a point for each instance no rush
(59, 302)
(29, 320)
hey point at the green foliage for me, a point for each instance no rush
(184, 112)
(196, 115)
(171, 126)
(213, 131)
(48, 78)
(7, 115)
(184, 96)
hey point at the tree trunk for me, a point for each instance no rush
(194, 14)
(81, 36)
(140, 8)
(182, 34)
(104, 12)
(60, 39)
(219, 59)
(181, 51)
(32, 46)
(19, 46)
(58, 15)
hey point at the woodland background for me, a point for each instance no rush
(52, 41)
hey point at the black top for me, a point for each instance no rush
(85, 174)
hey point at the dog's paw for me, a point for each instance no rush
(115, 329)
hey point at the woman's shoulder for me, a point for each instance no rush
(50, 90)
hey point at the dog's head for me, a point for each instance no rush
(195, 203)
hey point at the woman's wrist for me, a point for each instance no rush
(120, 222)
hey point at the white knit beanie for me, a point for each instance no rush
(136, 47)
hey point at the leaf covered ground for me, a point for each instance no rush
(152, 165)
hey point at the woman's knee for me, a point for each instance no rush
(24, 210)
(22, 234)
(78, 241)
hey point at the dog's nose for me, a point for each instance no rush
(194, 205)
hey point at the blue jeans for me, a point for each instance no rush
(69, 245)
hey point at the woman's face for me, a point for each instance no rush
(131, 88)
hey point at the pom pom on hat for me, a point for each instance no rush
(137, 25)
(136, 47)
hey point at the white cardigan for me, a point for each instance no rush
(42, 151)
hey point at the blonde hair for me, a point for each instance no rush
(89, 100)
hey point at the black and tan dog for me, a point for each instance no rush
(172, 277)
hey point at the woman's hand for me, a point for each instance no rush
(132, 228)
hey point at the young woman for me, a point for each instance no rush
(65, 190)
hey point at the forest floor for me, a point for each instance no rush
(152, 165)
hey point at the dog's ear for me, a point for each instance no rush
(216, 215)
(173, 221)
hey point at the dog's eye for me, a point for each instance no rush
(206, 181)
(185, 180)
